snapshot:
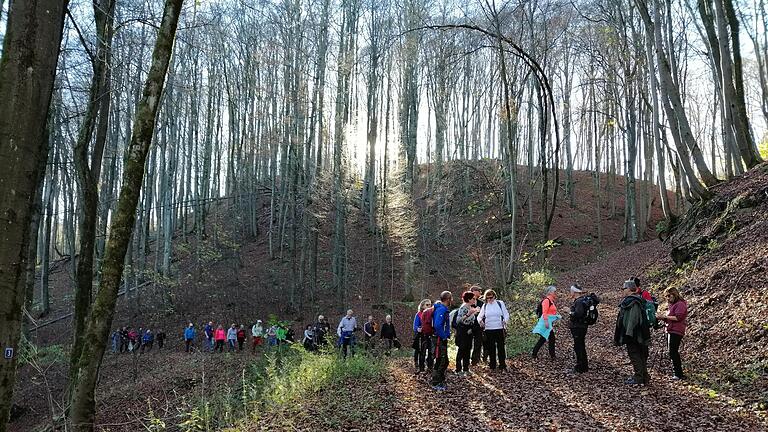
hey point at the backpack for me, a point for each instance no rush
(454, 319)
(540, 307)
(591, 314)
(426, 321)
(650, 310)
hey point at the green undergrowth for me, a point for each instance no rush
(282, 388)
(521, 300)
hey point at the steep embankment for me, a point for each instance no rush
(719, 262)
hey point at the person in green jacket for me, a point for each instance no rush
(634, 331)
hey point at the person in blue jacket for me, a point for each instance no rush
(189, 336)
(442, 328)
(422, 354)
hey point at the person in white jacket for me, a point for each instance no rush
(493, 318)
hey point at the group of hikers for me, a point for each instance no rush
(480, 326)
(129, 340)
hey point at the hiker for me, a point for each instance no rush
(115, 341)
(675, 320)
(389, 334)
(422, 351)
(548, 310)
(583, 313)
(645, 294)
(147, 341)
(189, 336)
(466, 318)
(220, 338)
(442, 328)
(124, 340)
(257, 331)
(493, 318)
(160, 337)
(133, 340)
(633, 330)
(231, 337)
(272, 335)
(309, 339)
(320, 330)
(281, 334)
(208, 331)
(369, 329)
(290, 335)
(347, 326)
(478, 347)
(240, 336)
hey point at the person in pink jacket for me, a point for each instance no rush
(220, 336)
(675, 320)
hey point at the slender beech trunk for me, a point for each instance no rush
(83, 409)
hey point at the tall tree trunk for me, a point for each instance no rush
(88, 173)
(27, 69)
(83, 410)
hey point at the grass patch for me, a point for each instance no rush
(292, 387)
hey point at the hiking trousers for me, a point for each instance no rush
(638, 355)
(541, 343)
(426, 353)
(674, 354)
(464, 343)
(477, 344)
(441, 361)
(495, 348)
(580, 348)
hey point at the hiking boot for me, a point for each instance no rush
(440, 387)
(467, 373)
(677, 378)
(633, 381)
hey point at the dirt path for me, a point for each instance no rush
(543, 395)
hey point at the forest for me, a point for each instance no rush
(169, 162)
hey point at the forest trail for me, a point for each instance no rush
(543, 395)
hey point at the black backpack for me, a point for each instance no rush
(591, 314)
(540, 308)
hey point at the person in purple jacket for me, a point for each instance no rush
(675, 320)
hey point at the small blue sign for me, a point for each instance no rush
(8, 353)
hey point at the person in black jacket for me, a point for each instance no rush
(477, 331)
(579, 327)
(388, 333)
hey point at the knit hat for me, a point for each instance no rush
(575, 289)
(630, 284)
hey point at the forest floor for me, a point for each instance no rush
(542, 394)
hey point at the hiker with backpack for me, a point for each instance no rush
(478, 347)
(189, 336)
(208, 333)
(257, 332)
(369, 330)
(633, 330)
(147, 341)
(464, 323)
(160, 337)
(220, 338)
(493, 318)
(231, 337)
(442, 329)
(345, 331)
(389, 334)
(547, 313)
(240, 336)
(422, 332)
(645, 294)
(675, 318)
(320, 330)
(583, 314)
(115, 338)
(309, 339)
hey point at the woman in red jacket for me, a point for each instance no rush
(220, 336)
(675, 319)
